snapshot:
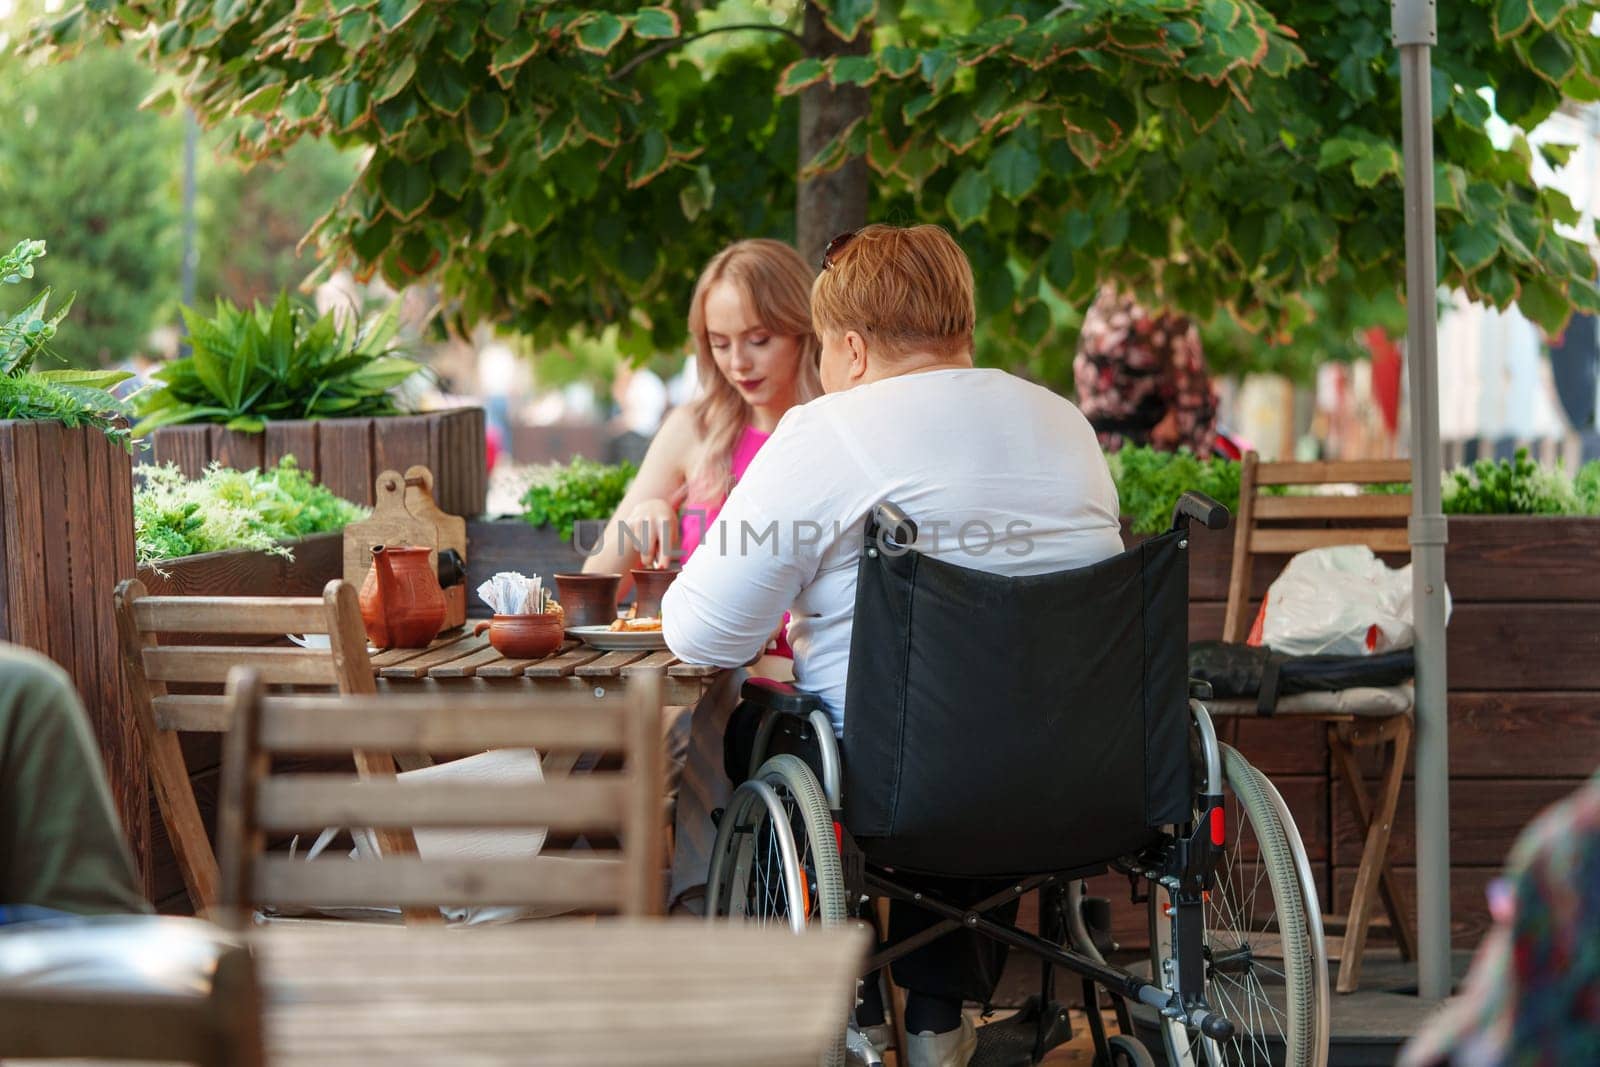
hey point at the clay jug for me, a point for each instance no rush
(402, 605)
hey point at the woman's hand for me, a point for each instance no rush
(653, 524)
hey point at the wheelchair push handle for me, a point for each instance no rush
(894, 524)
(1195, 505)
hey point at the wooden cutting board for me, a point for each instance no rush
(450, 532)
(393, 522)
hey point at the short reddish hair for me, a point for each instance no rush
(905, 289)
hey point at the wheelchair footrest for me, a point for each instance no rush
(1010, 1042)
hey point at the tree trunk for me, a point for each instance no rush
(832, 203)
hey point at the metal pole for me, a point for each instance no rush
(1414, 32)
(191, 254)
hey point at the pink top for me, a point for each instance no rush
(699, 516)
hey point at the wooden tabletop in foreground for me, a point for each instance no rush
(554, 992)
(464, 658)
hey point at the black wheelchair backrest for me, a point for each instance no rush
(1002, 725)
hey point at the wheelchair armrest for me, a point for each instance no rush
(779, 696)
(1199, 690)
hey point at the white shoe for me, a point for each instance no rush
(952, 1049)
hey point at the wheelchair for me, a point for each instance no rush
(1041, 730)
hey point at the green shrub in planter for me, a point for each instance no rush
(229, 509)
(1149, 483)
(561, 495)
(1519, 487)
(282, 362)
(70, 397)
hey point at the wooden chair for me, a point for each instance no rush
(1271, 525)
(190, 660)
(162, 988)
(256, 800)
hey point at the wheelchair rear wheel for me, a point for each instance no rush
(1260, 961)
(776, 859)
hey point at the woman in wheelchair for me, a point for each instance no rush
(1009, 687)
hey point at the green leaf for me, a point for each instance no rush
(513, 52)
(1546, 12)
(845, 17)
(598, 120)
(397, 80)
(855, 70)
(1015, 166)
(650, 158)
(451, 168)
(225, 13)
(1472, 245)
(600, 33)
(88, 379)
(259, 101)
(1498, 284)
(355, 29)
(938, 67)
(1543, 302)
(347, 105)
(651, 23)
(1552, 58)
(968, 200)
(488, 112)
(443, 87)
(393, 12)
(1557, 155)
(1077, 229)
(1202, 102)
(405, 188)
(1375, 163)
(1059, 267)
(799, 74)
(898, 60)
(1511, 17)
(302, 102)
(502, 19)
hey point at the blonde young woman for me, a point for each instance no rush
(750, 318)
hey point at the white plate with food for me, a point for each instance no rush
(624, 635)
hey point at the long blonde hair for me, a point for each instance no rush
(777, 284)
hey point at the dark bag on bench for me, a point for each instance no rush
(1240, 671)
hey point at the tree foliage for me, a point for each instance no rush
(558, 165)
(92, 175)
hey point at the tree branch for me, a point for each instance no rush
(677, 42)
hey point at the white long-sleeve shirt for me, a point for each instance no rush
(999, 474)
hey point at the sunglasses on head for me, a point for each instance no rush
(836, 246)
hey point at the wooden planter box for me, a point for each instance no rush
(347, 455)
(66, 540)
(317, 561)
(1524, 668)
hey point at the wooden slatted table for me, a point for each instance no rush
(463, 660)
(559, 992)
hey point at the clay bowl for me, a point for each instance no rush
(588, 599)
(648, 587)
(524, 636)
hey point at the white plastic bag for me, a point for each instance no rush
(1339, 601)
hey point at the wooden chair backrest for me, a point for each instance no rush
(257, 800)
(1281, 525)
(153, 665)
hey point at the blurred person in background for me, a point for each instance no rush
(1141, 377)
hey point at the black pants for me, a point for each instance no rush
(961, 965)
